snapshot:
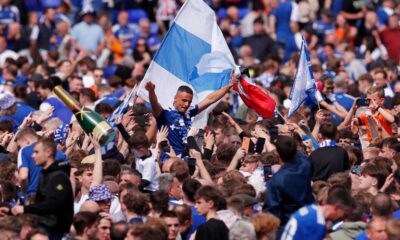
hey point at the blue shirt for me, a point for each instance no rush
(289, 189)
(25, 159)
(88, 36)
(23, 110)
(60, 110)
(123, 33)
(197, 220)
(346, 101)
(151, 40)
(307, 223)
(178, 126)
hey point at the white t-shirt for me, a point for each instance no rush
(148, 169)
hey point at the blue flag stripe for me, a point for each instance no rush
(180, 52)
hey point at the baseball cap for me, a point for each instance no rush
(6, 101)
(100, 193)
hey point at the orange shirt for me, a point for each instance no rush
(387, 126)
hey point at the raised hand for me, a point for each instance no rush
(209, 140)
(162, 134)
(45, 115)
(150, 86)
(95, 139)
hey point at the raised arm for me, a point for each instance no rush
(98, 164)
(155, 105)
(217, 95)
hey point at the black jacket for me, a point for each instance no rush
(54, 200)
(327, 161)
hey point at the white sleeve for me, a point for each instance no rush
(295, 15)
(34, 34)
(44, 106)
(148, 170)
(19, 159)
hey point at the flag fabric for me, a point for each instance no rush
(255, 98)
(121, 109)
(304, 87)
(193, 34)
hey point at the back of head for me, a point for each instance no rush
(138, 140)
(286, 147)
(328, 130)
(136, 202)
(339, 195)
(184, 213)
(341, 179)
(381, 205)
(119, 230)
(84, 220)
(242, 229)
(190, 187)
(181, 170)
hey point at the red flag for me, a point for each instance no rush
(256, 98)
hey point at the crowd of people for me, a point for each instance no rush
(330, 171)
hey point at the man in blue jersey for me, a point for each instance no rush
(179, 118)
(29, 172)
(45, 89)
(310, 222)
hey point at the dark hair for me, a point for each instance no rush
(137, 203)
(84, 220)
(339, 195)
(119, 230)
(6, 126)
(391, 143)
(258, 20)
(381, 205)
(46, 84)
(159, 201)
(169, 214)
(185, 89)
(184, 213)
(210, 193)
(111, 167)
(138, 140)
(103, 108)
(49, 144)
(341, 179)
(189, 188)
(328, 130)
(7, 170)
(89, 93)
(377, 171)
(181, 170)
(286, 147)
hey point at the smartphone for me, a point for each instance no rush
(192, 165)
(273, 133)
(362, 102)
(267, 173)
(260, 145)
(246, 144)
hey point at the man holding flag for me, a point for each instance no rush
(179, 118)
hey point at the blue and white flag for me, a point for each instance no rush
(121, 109)
(193, 34)
(304, 87)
